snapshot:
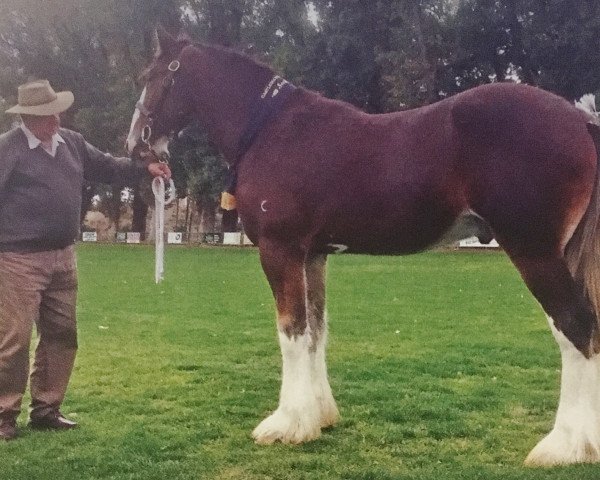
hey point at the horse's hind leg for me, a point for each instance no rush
(551, 283)
(575, 437)
(305, 402)
(576, 433)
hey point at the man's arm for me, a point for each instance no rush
(7, 164)
(103, 167)
(8, 160)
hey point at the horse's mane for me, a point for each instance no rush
(235, 57)
(231, 56)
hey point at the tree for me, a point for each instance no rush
(199, 171)
(380, 55)
(554, 45)
(341, 60)
(94, 48)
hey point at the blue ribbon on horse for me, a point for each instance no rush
(264, 108)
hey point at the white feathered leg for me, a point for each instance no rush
(298, 417)
(328, 411)
(575, 437)
(306, 403)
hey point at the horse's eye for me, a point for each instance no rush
(168, 82)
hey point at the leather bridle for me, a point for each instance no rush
(149, 114)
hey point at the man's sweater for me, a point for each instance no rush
(40, 195)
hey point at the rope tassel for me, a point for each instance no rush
(158, 188)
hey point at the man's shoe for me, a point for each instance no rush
(8, 430)
(52, 421)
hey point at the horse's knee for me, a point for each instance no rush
(292, 325)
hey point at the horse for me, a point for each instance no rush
(314, 176)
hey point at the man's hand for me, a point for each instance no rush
(158, 169)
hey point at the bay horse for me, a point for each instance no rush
(313, 176)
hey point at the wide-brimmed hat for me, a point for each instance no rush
(39, 98)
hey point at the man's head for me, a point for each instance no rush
(42, 126)
(39, 106)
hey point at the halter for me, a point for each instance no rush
(167, 83)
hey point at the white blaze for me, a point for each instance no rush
(131, 137)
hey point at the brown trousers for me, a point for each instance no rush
(38, 288)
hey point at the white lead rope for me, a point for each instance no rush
(158, 188)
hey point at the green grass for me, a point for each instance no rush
(442, 365)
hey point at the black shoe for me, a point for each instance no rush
(8, 430)
(52, 421)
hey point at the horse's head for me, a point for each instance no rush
(164, 107)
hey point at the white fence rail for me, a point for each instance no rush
(173, 238)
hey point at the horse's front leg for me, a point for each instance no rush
(317, 321)
(305, 401)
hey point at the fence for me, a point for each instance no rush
(174, 238)
(230, 238)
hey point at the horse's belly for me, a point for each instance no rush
(387, 234)
(388, 218)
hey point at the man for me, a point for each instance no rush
(42, 169)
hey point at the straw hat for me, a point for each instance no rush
(38, 98)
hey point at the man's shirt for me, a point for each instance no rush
(34, 142)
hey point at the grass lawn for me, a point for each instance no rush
(442, 365)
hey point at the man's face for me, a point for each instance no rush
(43, 127)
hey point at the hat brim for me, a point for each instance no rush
(63, 101)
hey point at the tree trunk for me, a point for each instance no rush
(186, 225)
(230, 220)
(189, 232)
(207, 210)
(208, 218)
(140, 211)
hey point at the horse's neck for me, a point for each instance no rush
(223, 101)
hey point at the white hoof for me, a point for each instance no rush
(564, 448)
(286, 427)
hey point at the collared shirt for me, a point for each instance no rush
(33, 141)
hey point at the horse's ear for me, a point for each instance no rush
(165, 42)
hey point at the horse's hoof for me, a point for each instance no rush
(285, 428)
(560, 448)
(329, 415)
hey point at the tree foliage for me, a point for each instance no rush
(380, 55)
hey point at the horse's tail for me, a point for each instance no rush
(583, 249)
